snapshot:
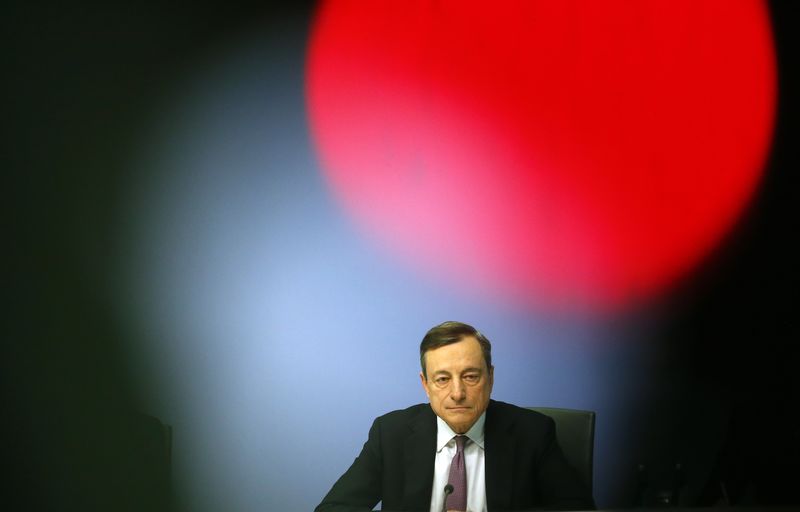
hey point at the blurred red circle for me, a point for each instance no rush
(558, 152)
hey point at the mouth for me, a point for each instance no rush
(459, 409)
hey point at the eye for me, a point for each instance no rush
(441, 380)
(472, 378)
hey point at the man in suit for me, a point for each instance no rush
(463, 451)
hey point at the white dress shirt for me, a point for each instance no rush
(473, 458)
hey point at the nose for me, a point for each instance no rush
(457, 391)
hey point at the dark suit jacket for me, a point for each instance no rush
(524, 466)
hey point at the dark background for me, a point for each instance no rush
(80, 81)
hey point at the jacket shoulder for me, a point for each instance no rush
(510, 414)
(396, 425)
(409, 414)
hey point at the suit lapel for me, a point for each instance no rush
(420, 451)
(499, 456)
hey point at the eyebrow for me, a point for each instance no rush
(466, 370)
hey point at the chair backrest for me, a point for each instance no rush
(166, 432)
(575, 433)
(145, 445)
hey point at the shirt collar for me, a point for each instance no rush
(444, 434)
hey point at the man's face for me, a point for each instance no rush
(459, 383)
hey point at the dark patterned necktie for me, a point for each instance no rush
(458, 478)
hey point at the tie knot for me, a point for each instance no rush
(460, 441)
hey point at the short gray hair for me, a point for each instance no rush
(448, 333)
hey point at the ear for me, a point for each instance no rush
(424, 384)
(491, 377)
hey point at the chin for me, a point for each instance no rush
(461, 426)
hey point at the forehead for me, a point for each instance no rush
(456, 356)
